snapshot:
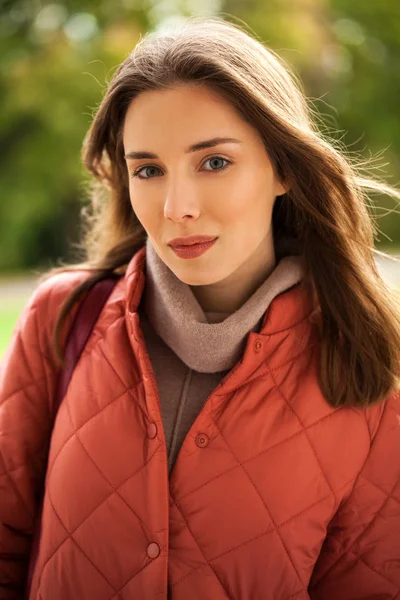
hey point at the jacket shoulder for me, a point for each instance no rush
(375, 414)
(38, 318)
(50, 293)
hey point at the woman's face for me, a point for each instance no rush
(226, 190)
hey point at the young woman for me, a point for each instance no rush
(232, 427)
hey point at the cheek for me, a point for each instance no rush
(143, 212)
(246, 212)
(231, 211)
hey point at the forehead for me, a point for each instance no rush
(183, 114)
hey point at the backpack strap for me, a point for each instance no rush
(82, 325)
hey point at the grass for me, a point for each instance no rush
(8, 318)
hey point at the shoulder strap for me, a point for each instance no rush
(82, 325)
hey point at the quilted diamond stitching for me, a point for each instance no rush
(54, 551)
(21, 389)
(96, 337)
(266, 370)
(387, 496)
(15, 488)
(143, 526)
(241, 464)
(201, 551)
(263, 502)
(112, 491)
(21, 466)
(259, 536)
(77, 545)
(130, 579)
(85, 423)
(304, 429)
(238, 465)
(380, 489)
(363, 532)
(70, 533)
(362, 559)
(137, 383)
(313, 505)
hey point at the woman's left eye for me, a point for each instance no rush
(218, 158)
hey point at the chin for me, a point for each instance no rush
(199, 278)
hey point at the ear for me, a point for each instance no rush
(281, 188)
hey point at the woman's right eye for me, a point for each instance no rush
(136, 173)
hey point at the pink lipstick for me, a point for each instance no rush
(193, 250)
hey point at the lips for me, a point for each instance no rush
(193, 250)
(191, 240)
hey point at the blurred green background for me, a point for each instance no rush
(56, 59)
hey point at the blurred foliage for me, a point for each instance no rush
(56, 60)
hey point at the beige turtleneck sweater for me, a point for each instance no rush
(190, 350)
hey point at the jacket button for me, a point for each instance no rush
(153, 550)
(151, 430)
(258, 345)
(202, 440)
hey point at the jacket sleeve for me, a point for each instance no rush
(27, 383)
(360, 557)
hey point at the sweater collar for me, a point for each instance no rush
(208, 342)
(287, 328)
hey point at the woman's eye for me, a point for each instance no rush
(217, 159)
(136, 173)
(214, 159)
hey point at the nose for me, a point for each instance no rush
(181, 202)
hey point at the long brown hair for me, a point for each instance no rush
(325, 209)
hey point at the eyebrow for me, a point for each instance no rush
(193, 148)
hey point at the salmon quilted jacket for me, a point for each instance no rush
(275, 495)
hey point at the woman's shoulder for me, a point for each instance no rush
(52, 290)
(41, 310)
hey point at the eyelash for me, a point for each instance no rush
(137, 171)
